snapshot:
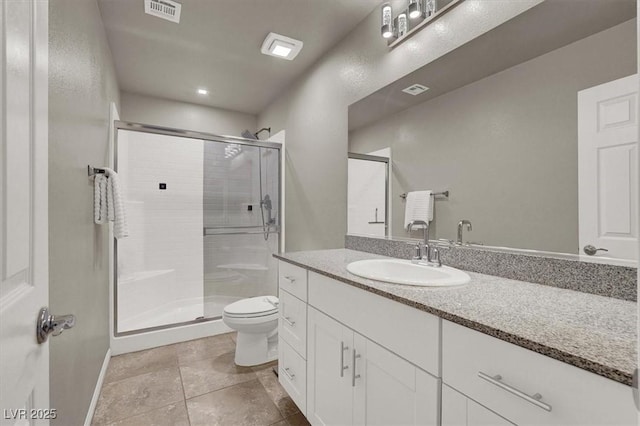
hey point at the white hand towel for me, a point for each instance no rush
(115, 205)
(419, 206)
(100, 199)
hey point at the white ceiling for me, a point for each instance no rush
(217, 46)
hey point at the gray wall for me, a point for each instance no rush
(505, 146)
(313, 111)
(182, 115)
(81, 85)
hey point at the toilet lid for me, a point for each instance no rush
(253, 307)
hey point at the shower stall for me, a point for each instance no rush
(203, 214)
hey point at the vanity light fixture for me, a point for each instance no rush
(408, 22)
(415, 9)
(203, 92)
(387, 21)
(403, 25)
(281, 46)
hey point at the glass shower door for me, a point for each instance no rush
(241, 223)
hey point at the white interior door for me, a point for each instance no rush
(608, 168)
(24, 288)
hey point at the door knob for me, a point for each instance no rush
(52, 324)
(591, 250)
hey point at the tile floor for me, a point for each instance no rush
(192, 383)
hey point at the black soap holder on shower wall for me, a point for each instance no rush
(162, 186)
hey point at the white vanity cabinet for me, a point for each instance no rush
(352, 380)
(349, 356)
(292, 332)
(458, 410)
(365, 364)
(525, 387)
(362, 362)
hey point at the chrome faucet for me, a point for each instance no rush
(427, 248)
(425, 228)
(460, 225)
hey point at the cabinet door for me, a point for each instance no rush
(388, 390)
(478, 415)
(329, 391)
(458, 410)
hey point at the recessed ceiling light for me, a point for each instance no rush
(281, 46)
(203, 91)
(415, 89)
(281, 50)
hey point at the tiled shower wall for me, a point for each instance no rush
(165, 229)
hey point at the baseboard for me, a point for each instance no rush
(96, 391)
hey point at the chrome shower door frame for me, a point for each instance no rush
(168, 131)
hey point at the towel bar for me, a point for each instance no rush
(444, 194)
(92, 171)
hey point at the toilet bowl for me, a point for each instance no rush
(256, 321)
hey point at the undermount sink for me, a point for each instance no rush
(399, 271)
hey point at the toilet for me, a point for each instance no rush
(256, 321)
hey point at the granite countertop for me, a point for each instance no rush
(592, 332)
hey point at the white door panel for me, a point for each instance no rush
(329, 369)
(608, 168)
(24, 364)
(389, 390)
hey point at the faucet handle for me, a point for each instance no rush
(436, 256)
(417, 255)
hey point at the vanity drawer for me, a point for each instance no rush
(292, 374)
(408, 332)
(293, 279)
(293, 322)
(574, 396)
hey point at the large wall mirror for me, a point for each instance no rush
(531, 128)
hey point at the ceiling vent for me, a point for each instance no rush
(415, 89)
(165, 9)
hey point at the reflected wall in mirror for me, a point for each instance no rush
(514, 123)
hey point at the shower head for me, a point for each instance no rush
(248, 135)
(268, 129)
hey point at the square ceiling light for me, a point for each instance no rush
(281, 46)
(415, 89)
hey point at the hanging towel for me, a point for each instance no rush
(419, 206)
(108, 203)
(100, 212)
(115, 205)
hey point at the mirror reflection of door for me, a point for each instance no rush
(608, 169)
(368, 193)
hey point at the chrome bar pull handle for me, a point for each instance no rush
(47, 324)
(290, 279)
(343, 349)
(534, 399)
(289, 375)
(354, 376)
(288, 321)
